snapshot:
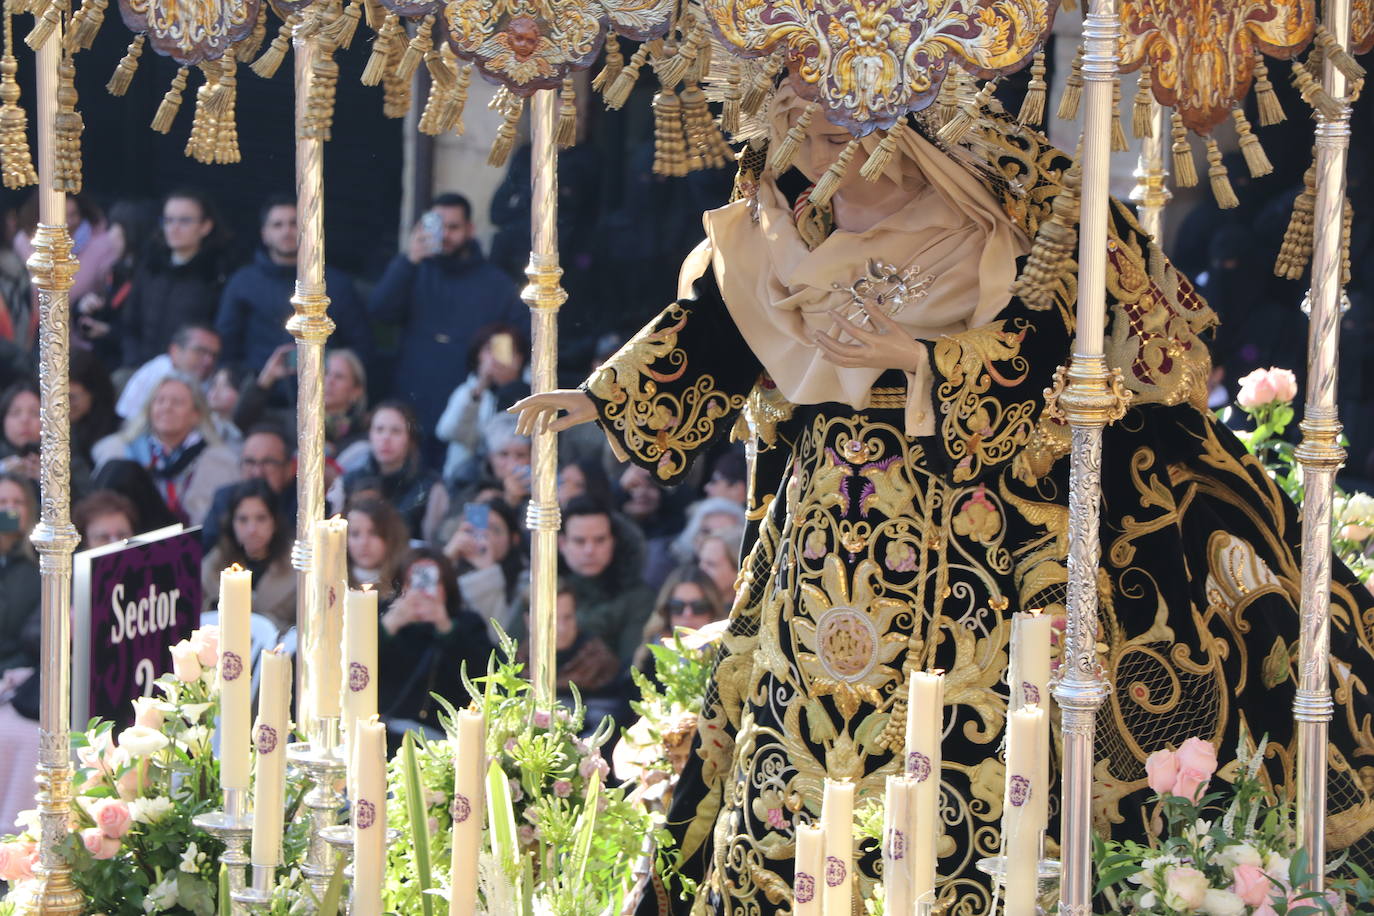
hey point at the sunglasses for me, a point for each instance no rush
(700, 607)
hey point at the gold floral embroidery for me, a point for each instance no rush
(978, 428)
(658, 427)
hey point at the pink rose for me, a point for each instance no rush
(128, 784)
(1190, 784)
(16, 862)
(98, 844)
(1162, 769)
(1198, 754)
(1285, 384)
(541, 718)
(562, 788)
(148, 713)
(1356, 533)
(112, 817)
(1264, 386)
(1251, 884)
(186, 662)
(206, 641)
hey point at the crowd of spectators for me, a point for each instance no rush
(184, 408)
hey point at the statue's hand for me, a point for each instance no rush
(541, 411)
(881, 345)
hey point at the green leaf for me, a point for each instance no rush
(333, 894)
(193, 893)
(226, 905)
(587, 829)
(415, 810)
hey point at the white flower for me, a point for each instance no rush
(1359, 508)
(1276, 867)
(161, 896)
(192, 712)
(1184, 888)
(140, 741)
(1222, 903)
(1229, 857)
(192, 859)
(28, 822)
(150, 810)
(194, 738)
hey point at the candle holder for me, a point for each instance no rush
(340, 839)
(1046, 878)
(257, 897)
(322, 760)
(925, 905)
(232, 826)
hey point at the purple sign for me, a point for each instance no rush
(142, 600)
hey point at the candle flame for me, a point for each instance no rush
(938, 672)
(234, 568)
(1036, 611)
(367, 587)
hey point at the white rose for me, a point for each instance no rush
(192, 712)
(1222, 903)
(190, 859)
(150, 810)
(1229, 857)
(1276, 867)
(161, 896)
(1184, 888)
(140, 741)
(1358, 508)
(28, 822)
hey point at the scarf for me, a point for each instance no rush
(951, 240)
(167, 465)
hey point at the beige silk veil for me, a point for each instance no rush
(951, 233)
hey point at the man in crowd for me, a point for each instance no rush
(266, 455)
(601, 564)
(193, 352)
(178, 283)
(441, 290)
(257, 299)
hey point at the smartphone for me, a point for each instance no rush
(9, 522)
(477, 515)
(424, 577)
(434, 230)
(503, 348)
(291, 359)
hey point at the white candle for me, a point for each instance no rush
(1020, 833)
(326, 625)
(897, 861)
(1030, 683)
(808, 869)
(235, 675)
(925, 725)
(837, 820)
(358, 690)
(270, 735)
(369, 816)
(469, 779)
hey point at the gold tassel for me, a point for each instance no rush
(1142, 122)
(266, 66)
(1052, 251)
(84, 24)
(68, 127)
(460, 98)
(128, 65)
(420, 45)
(1338, 56)
(625, 79)
(200, 145)
(672, 69)
(1347, 223)
(396, 94)
(703, 136)
(318, 122)
(340, 32)
(44, 25)
(760, 85)
(780, 159)
(15, 160)
(701, 61)
(429, 115)
(226, 142)
(1255, 159)
(1033, 105)
(505, 134)
(248, 48)
(1221, 182)
(1270, 108)
(615, 62)
(171, 103)
(877, 162)
(1185, 170)
(566, 134)
(830, 182)
(1296, 249)
(1119, 144)
(1073, 89)
(670, 148)
(957, 127)
(381, 50)
(1313, 94)
(947, 97)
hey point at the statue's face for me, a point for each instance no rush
(524, 37)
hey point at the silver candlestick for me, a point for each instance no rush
(232, 826)
(322, 759)
(1046, 878)
(340, 838)
(257, 897)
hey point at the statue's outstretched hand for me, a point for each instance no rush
(882, 344)
(541, 411)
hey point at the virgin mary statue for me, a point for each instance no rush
(908, 493)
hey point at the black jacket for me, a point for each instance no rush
(417, 661)
(165, 296)
(20, 619)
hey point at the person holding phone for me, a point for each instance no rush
(496, 362)
(440, 291)
(485, 549)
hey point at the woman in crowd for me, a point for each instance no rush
(20, 622)
(345, 409)
(394, 460)
(377, 538)
(717, 557)
(689, 600)
(104, 517)
(96, 244)
(252, 537)
(92, 403)
(486, 551)
(173, 438)
(584, 478)
(426, 639)
(20, 429)
(223, 400)
(495, 362)
(706, 517)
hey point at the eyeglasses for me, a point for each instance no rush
(253, 464)
(697, 608)
(181, 220)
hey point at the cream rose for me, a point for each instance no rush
(139, 741)
(186, 662)
(1184, 888)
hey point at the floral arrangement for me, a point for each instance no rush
(1240, 863)
(563, 843)
(1266, 396)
